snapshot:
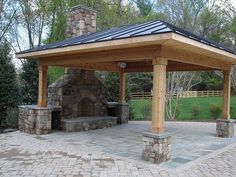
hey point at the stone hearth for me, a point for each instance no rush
(88, 123)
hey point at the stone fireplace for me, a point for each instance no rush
(80, 94)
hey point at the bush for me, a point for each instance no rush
(215, 110)
(131, 113)
(195, 111)
(177, 111)
(146, 111)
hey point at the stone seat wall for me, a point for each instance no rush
(88, 123)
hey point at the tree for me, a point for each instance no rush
(9, 92)
(140, 82)
(144, 6)
(178, 82)
(29, 82)
(7, 16)
(111, 82)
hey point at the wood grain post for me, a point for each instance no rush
(122, 87)
(42, 88)
(158, 98)
(226, 94)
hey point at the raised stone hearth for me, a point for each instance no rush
(88, 123)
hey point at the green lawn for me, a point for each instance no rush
(185, 105)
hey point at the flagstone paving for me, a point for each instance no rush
(116, 152)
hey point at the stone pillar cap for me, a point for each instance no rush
(36, 107)
(155, 135)
(78, 7)
(226, 120)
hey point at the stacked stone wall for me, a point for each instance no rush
(34, 119)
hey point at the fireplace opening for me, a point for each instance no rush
(87, 106)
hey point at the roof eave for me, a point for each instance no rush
(99, 46)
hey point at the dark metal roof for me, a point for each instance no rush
(129, 31)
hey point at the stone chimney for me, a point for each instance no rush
(80, 21)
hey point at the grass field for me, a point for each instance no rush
(185, 105)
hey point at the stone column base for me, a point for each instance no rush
(225, 128)
(123, 113)
(34, 119)
(156, 147)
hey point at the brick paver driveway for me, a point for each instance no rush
(116, 152)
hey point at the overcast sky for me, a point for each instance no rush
(234, 2)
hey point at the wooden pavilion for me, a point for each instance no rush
(155, 46)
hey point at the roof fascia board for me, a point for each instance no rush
(177, 37)
(99, 46)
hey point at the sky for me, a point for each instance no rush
(234, 2)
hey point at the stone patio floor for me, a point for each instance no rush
(116, 151)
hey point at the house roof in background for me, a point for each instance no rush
(129, 31)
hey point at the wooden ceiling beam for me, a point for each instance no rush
(111, 67)
(140, 54)
(131, 54)
(172, 66)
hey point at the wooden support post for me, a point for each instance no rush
(42, 88)
(122, 87)
(158, 98)
(226, 94)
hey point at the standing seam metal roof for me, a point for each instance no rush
(129, 31)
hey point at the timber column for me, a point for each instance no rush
(225, 126)
(123, 107)
(158, 97)
(157, 145)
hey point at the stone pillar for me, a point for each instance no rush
(34, 119)
(156, 147)
(225, 128)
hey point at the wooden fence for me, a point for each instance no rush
(184, 94)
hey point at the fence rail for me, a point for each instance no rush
(184, 94)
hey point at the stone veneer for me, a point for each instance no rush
(156, 147)
(34, 119)
(225, 128)
(80, 21)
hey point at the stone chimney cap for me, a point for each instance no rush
(81, 7)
